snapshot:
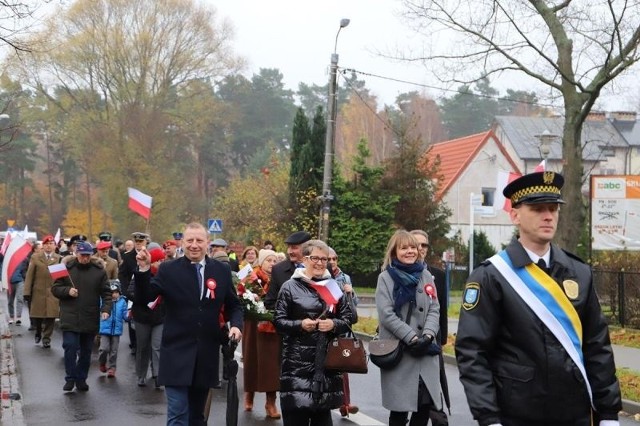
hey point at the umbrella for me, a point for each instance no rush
(444, 384)
(232, 387)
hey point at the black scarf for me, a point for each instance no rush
(405, 281)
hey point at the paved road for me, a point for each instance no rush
(119, 401)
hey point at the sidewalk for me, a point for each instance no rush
(10, 396)
(625, 357)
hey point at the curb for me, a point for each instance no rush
(628, 407)
(11, 407)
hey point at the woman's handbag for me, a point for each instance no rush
(346, 354)
(386, 353)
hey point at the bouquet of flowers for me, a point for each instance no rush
(251, 292)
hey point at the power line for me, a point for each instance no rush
(427, 86)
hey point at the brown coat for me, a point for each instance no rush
(261, 359)
(111, 267)
(37, 285)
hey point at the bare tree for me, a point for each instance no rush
(574, 47)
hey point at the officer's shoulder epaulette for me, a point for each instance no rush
(485, 262)
(573, 256)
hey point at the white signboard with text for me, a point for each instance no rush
(615, 212)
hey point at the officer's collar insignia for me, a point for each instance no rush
(471, 296)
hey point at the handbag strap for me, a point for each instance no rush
(407, 318)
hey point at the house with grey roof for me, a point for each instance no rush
(529, 140)
(626, 123)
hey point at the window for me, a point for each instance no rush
(487, 196)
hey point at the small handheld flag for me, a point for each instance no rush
(328, 290)
(59, 270)
(140, 203)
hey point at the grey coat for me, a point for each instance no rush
(400, 385)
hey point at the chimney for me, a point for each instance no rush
(623, 115)
(596, 116)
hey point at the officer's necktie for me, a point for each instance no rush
(542, 265)
(200, 279)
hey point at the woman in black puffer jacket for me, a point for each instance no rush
(307, 391)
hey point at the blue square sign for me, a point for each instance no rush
(215, 226)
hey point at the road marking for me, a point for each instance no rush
(359, 418)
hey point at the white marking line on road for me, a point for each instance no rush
(360, 419)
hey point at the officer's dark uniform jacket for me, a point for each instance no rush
(512, 366)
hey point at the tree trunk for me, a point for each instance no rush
(572, 215)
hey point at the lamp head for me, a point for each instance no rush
(344, 22)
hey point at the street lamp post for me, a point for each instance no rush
(326, 196)
(545, 138)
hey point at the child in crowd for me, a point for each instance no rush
(111, 330)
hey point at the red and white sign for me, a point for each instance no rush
(16, 252)
(59, 270)
(140, 203)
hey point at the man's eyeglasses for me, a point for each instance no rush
(316, 259)
(333, 259)
(425, 245)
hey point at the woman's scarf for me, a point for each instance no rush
(264, 278)
(405, 280)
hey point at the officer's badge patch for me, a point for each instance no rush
(471, 296)
(571, 289)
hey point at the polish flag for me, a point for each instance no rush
(59, 270)
(17, 251)
(56, 238)
(5, 243)
(329, 290)
(155, 303)
(504, 178)
(140, 203)
(541, 167)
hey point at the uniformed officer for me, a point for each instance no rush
(533, 347)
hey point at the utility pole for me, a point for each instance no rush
(326, 196)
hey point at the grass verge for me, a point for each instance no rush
(629, 379)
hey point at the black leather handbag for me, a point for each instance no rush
(387, 353)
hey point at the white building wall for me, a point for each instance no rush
(481, 173)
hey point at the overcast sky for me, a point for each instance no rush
(298, 36)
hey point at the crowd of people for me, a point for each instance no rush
(521, 362)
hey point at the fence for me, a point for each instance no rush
(618, 291)
(619, 294)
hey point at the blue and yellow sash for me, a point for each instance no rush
(547, 300)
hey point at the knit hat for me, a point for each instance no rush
(156, 254)
(263, 254)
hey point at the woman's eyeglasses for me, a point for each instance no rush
(425, 245)
(316, 259)
(333, 259)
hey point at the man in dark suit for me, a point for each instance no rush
(282, 271)
(195, 289)
(438, 418)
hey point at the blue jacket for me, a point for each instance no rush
(113, 325)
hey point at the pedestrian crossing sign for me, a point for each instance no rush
(215, 226)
